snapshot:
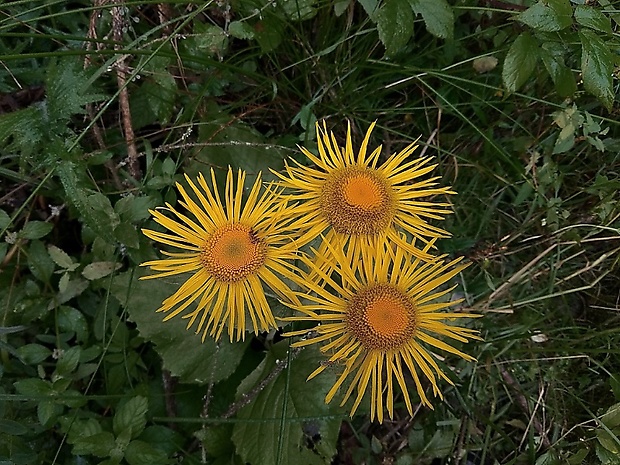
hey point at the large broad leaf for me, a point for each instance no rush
(395, 25)
(589, 16)
(237, 145)
(552, 56)
(288, 422)
(596, 67)
(548, 16)
(182, 351)
(437, 15)
(520, 62)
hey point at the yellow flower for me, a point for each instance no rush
(230, 252)
(359, 203)
(381, 317)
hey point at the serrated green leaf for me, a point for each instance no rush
(520, 62)
(68, 361)
(100, 444)
(39, 261)
(68, 89)
(241, 30)
(127, 234)
(264, 440)
(142, 453)
(12, 428)
(133, 209)
(32, 387)
(95, 209)
(609, 441)
(552, 57)
(71, 319)
(36, 230)
(182, 351)
(437, 15)
(100, 270)
(32, 354)
(132, 416)
(299, 10)
(548, 16)
(611, 418)
(48, 411)
(61, 258)
(394, 24)
(591, 17)
(74, 288)
(268, 33)
(5, 220)
(596, 67)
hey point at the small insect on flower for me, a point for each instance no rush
(232, 253)
(379, 317)
(358, 204)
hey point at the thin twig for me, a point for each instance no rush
(119, 22)
(522, 402)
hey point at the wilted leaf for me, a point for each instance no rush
(98, 270)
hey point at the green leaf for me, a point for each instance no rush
(100, 270)
(593, 18)
(241, 30)
(5, 220)
(611, 419)
(12, 428)
(100, 444)
(182, 351)
(437, 15)
(548, 16)
(134, 209)
(74, 288)
(47, 412)
(267, 434)
(33, 387)
(552, 56)
(95, 209)
(597, 67)
(68, 361)
(395, 25)
(131, 415)
(36, 230)
(298, 10)
(32, 354)
(39, 261)
(520, 62)
(142, 453)
(70, 319)
(61, 258)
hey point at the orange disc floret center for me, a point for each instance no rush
(363, 192)
(233, 252)
(358, 201)
(382, 317)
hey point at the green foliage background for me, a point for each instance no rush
(517, 100)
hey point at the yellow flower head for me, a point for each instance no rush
(230, 252)
(360, 203)
(380, 317)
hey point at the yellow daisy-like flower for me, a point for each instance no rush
(383, 316)
(359, 203)
(231, 252)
